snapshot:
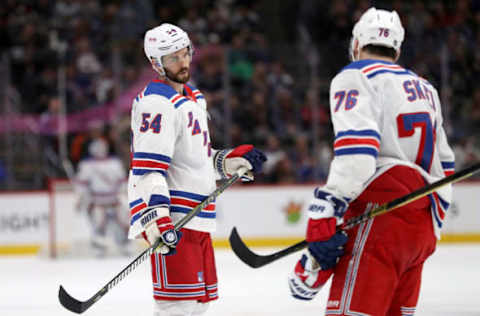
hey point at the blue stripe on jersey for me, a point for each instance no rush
(135, 218)
(157, 200)
(141, 172)
(135, 203)
(160, 88)
(365, 132)
(357, 151)
(445, 204)
(365, 62)
(177, 104)
(448, 165)
(391, 71)
(184, 210)
(152, 156)
(200, 96)
(188, 195)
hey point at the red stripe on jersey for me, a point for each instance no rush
(176, 98)
(356, 141)
(179, 201)
(380, 66)
(149, 164)
(138, 208)
(449, 173)
(190, 93)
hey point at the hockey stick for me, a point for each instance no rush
(79, 307)
(256, 261)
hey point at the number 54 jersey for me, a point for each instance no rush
(385, 115)
(170, 138)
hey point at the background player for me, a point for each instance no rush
(100, 183)
(389, 141)
(173, 169)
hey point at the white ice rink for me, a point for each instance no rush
(29, 286)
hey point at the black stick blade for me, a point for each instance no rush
(256, 261)
(70, 303)
(243, 253)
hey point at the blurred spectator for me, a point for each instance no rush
(274, 154)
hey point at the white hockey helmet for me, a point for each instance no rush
(98, 148)
(164, 40)
(377, 27)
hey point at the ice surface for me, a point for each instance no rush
(29, 286)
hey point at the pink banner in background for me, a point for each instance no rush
(79, 121)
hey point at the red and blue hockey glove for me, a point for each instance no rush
(327, 253)
(161, 227)
(228, 161)
(324, 243)
(325, 212)
(307, 278)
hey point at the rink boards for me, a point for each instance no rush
(263, 215)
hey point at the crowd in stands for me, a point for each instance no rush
(256, 93)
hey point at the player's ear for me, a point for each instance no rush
(156, 66)
(356, 51)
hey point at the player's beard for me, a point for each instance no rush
(182, 76)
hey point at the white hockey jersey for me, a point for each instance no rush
(170, 136)
(384, 115)
(101, 179)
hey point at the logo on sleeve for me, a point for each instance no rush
(148, 218)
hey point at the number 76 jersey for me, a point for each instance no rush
(390, 114)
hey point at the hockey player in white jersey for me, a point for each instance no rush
(173, 169)
(389, 141)
(100, 182)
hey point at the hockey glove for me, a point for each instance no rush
(327, 253)
(307, 278)
(325, 212)
(162, 227)
(228, 161)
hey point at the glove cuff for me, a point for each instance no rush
(300, 290)
(321, 229)
(219, 162)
